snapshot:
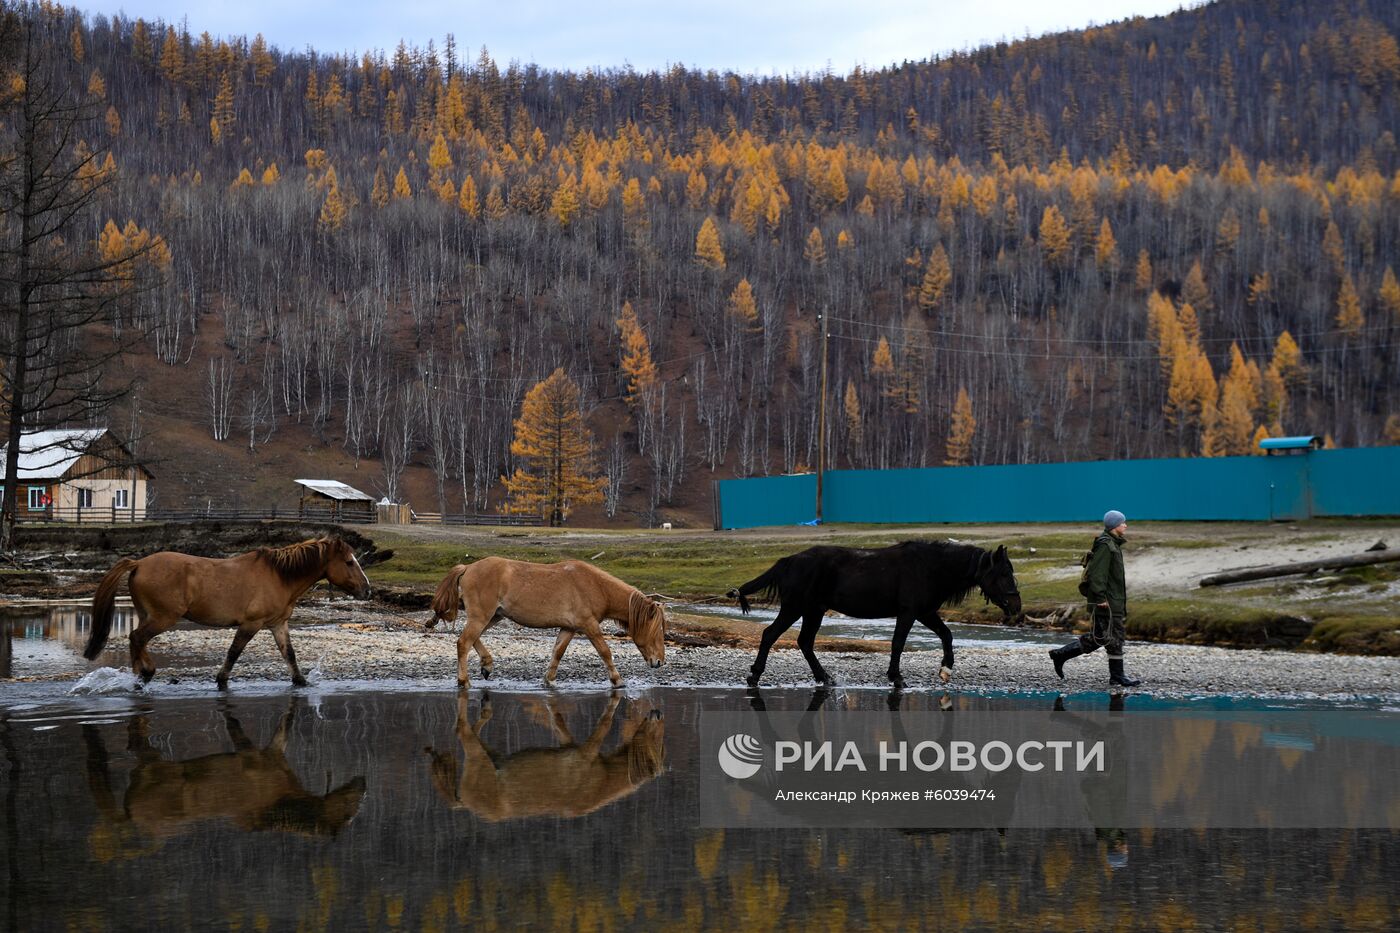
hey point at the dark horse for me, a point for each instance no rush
(909, 582)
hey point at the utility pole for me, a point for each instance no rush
(821, 419)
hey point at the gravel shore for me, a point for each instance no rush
(382, 647)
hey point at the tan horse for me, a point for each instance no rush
(254, 788)
(250, 592)
(571, 596)
(568, 781)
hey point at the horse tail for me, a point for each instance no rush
(103, 603)
(448, 595)
(768, 584)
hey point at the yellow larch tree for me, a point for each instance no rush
(637, 363)
(333, 210)
(1332, 249)
(271, 175)
(495, 208)
(1260, 286)
(855, 426)
(223, 106)
(379, 192)
(1142, 274)
(114, 122)
(244, 180)
(402, 190)
(1106, 248)
(634, 205)
(695, 188)
(1235, 423)
(1054, 237)
(565, 203)
(961, 431)
(938, 275)
(1349, 317)
(1195, 292)
(439, 161)
(882, 360)
(709, 250)
(814, 251)
(555, 447)
(467, 198)
(1389, 294)
(743, 306)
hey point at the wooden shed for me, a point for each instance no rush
(78, 475)
(333, 501)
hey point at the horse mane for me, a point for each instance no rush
(950, 555)
(645, 617)
(448, 597)
(295, 561)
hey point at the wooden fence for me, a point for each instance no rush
(403, 515)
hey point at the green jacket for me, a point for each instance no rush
(1107, 581)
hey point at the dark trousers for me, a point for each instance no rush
(1109, 630)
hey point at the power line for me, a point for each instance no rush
(1029, 353)
(1090, 341)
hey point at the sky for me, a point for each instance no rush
(762, 37)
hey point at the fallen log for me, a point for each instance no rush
(1285, 570)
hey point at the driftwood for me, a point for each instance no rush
(1284, 570)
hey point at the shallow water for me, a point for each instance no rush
(348, 807)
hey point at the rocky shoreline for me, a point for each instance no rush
(338, 641)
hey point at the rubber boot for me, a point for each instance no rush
(1060, 655)
(1116, 677)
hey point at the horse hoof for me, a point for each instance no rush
(549, 682)
(486, 673)
(462, 685)
(897, 683)
(298, 681)
(945, 673)
(223, 684)
(752, 680)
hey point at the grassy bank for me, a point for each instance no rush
(1349, 612)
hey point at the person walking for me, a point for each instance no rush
(1106, 588)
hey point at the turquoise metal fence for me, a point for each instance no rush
(1364, 481)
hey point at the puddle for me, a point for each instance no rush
(354, 808)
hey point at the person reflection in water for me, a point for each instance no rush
(1106, 794)
(255, 788)
(569, 781)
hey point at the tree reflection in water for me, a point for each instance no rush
(250, 830)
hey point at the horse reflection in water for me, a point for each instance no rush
(254, 788)
(569, 781)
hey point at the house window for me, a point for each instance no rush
(38, 498)
(84, 498)
(119, 498)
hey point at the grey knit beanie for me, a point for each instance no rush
(1112, 519)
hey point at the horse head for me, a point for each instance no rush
(997, 580)
(343, 569)
(646, 624)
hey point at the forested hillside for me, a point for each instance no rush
(1157, 237)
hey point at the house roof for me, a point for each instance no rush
(1290, 443)
(50, 454)
(333, 489)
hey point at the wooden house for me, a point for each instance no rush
(78, 475)
(332, 501)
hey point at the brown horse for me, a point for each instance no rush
(250, 592)
(254, 788)
(571, 596)
(568, 781)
